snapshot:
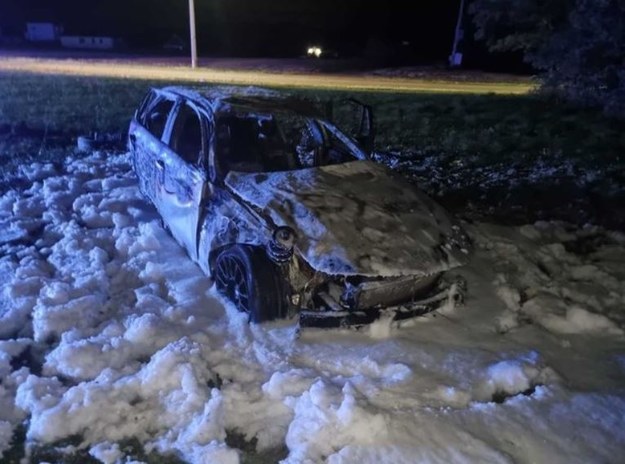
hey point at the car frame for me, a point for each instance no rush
(275, 232)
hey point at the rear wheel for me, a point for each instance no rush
(245, 276)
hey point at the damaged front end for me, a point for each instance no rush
(395, 298)
(334, 301)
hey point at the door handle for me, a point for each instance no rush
(159, 165)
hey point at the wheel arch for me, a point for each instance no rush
(215, 251)
(266, 285)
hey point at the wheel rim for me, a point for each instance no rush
(231, 281)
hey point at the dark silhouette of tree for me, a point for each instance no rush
(578, 45)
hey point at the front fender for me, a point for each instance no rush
(226, 222)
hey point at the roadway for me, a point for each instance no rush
(291, 73)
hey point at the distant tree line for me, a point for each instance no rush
(577, 45)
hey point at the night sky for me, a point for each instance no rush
(389, 29)
(279, 26)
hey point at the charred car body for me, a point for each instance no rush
(286, 212)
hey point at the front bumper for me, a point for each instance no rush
(444, 294)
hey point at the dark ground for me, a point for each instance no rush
(518, 194)
(507, 159)
(503, 193)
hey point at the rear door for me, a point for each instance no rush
(182, 174)
(146, 139)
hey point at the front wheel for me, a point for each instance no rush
(255, 285)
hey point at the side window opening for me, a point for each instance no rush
(265, 142)
(237, 144)
(145, 105)
(355, 120)
(186, 139)
(156, 116)
(273, 146)
(337, 152)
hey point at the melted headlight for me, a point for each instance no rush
(280, 247)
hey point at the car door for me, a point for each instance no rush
(356, 120)
(146, 139)
(182, 174)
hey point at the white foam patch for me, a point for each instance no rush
(327, 419)
(565, 292)
(108, 331)
(107, 453)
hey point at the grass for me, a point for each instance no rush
(492, 127)
(68, 104)
(457, 134)
(69, 451)
(498, 128)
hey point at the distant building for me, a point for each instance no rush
(43, 32)
(90, 42)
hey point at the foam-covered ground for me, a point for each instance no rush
(108, 332)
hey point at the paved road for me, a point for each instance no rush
(293, 77)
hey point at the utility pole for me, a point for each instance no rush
(455, 59)
(192, 34)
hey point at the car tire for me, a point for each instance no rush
(254, 284)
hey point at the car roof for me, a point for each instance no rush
(231, 99)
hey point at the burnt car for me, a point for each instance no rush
(286, 212)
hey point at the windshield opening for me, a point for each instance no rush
(252, 142)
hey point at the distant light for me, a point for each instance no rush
(314, 51)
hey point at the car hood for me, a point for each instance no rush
(356, 218)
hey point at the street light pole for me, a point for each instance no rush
(192, 34)
(455, 59)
